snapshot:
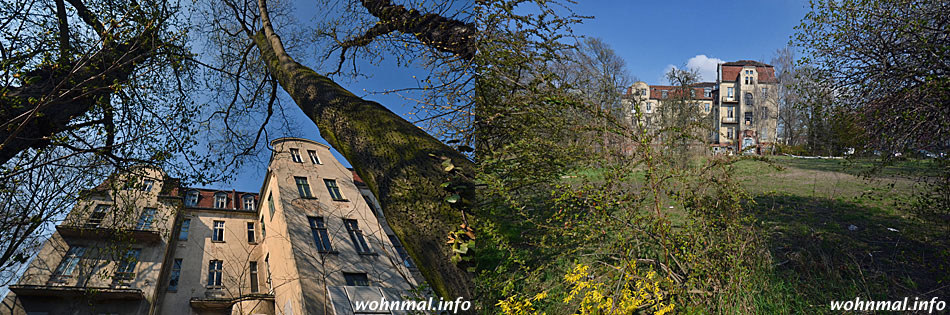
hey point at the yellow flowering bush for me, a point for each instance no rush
(644, 293)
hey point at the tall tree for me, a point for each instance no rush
(424, 185)
(888, 62)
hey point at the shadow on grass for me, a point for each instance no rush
(864, 166)
(825, 250)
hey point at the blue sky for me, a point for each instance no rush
(654, 35)
(651, 36)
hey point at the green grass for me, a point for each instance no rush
(804, 212)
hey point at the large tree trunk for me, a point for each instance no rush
(393, 156)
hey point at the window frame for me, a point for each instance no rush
(730, 92)
(314, 158)
(192, 194)
(321, 236)
(126, 266)
(253, 273)
(70, 261)
(215, 235)
(183, 229)
(357, 237)
(252, 232)
(334, 190)
(356, 279)
(303, 187)
(249, 202)
(215, 274)
(175, 275)
(147, 185)
(401, 251)
(270, 205)
(146, 219)
(98, 220)
(220, 200)
(295, 155)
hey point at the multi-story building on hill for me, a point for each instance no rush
(312, 241)
(740, 108)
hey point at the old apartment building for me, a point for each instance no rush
(312, 241)
(740, 108)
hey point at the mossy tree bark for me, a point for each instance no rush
(400, 162)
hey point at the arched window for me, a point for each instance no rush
(191, 198)
(220, 200)
(248, 202)
(748, 99)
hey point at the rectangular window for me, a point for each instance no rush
(320, 235)
(263, 228)
(333, 189)
(147, 185)
(729, 133)
(97, 215)
(649, 107)
(295, 154)
(270, 205)
(730, 92)
(192, 198)
(352, 227)
(126, 269)
(765, 91)
(253, 273)
(250, 232)
(183, 231)
(303, 187)
(145, 220)
(313, 156)
(748, 118)
(72, 258)
(730, 112)
(356, 279)
(665, 93)
(707, 92)
(248, 202)
(218, 234)
(706, 106)
(220, 200)
(214, 273)
(267, 265)
(176, 273)
(763, 112)
(403, 254)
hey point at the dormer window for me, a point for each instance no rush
(248, 202)
(220, 200)
(191, 199)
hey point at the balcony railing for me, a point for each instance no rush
(728, 120)
(98, 233)
(73, 291)
(730, 99)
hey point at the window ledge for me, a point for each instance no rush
(369, 254)
(332, 252)
(213, 241)
(341, 200)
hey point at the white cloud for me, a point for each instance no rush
(705, 65)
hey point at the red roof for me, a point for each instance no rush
(656, 92)
(206, 198)
(732, 70)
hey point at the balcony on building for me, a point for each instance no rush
(254, 303)
(728, 99)
(102, 233)
(728, 120)
(96, 293)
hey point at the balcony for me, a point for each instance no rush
(96, 293)
(99, 233)
(730, 99)
(728, 120)
(219, 304)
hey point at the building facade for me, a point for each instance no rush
(740, 108)
(312, 241)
